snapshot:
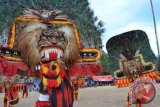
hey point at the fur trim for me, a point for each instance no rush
(28, 38)
(72, 50)
(33, 26)
(27, 42)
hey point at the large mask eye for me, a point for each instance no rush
(60, 38)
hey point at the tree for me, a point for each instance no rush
(127, 43)
(105, 61)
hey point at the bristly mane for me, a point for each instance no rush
(27, 41)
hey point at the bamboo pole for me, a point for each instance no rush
(155, 30)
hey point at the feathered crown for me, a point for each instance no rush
(44, 14)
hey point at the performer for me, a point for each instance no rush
(10, 63)
(137, 74)
(49, 40)
(25, 92)
(75, 88)
(11, 94)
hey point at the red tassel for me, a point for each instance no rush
(52, 83)
(85, 69)
(62, 74)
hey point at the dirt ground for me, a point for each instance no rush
(104, 96)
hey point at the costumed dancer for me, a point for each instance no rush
(8, 70)
(137, 78)
(25, 92)
(11, 95)
(75, 88)
(51, 41)
(10, 64)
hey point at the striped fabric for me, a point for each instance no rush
(16, 87)
(11, 95)
(125, 82)
(62, 96)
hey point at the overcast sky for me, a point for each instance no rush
(124, 15)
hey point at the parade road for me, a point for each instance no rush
(103, 96)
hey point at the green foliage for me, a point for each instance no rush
(105, 61)
(77, 10)
(104, 73)
(127, 44)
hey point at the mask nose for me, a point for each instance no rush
(53, 40)
(54, 43)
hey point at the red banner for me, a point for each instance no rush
(103, 78)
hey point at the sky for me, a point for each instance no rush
(120, 16)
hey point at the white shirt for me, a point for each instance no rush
(43, 97)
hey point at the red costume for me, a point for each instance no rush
(50, 41)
